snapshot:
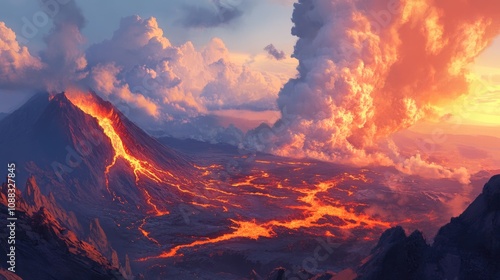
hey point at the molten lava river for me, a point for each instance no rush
(239, 202)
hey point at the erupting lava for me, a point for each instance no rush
(105, 118)
(309, 216)
(300, 205)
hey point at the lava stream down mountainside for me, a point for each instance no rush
(307, 206)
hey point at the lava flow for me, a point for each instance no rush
(250, 230)
(296, 206)
(307, 215)
(104, 117)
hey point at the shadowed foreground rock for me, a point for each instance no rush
(466, 248)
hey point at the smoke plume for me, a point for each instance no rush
(140, 66)
(61, 63)
(368, 68)
(274, 52)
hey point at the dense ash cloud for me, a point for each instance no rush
(274, 52)
(64, 54)
(370, 68)
(216, 13)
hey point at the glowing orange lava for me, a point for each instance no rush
(313, 211)
(157, 211)
(105, 117)
(249, 230)
(311, 202)
(146, 233)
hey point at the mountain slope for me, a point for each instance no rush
(100, 189)
(3, 115)
(47, 250)
(69, 153)
(466, 248)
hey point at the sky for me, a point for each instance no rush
(214, 70)
(261, 23)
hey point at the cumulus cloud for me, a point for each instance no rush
(216, 13)
(183, 82)
(274, 52)
(61, 63)
(370, 68)
(159, 84)
(16, 62)
(104, 80)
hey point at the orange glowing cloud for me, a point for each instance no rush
(104, 81)
(15, 60)
(371, 68)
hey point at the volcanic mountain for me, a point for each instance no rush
(70, 153)
(116, 198)
(87, 162)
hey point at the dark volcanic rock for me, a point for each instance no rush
(47, 250)
(396, 256)
(466, 248)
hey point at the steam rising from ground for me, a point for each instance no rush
(370, 68)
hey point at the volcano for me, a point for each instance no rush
(157, 208)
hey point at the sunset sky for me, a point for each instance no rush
(260, 23)
(192, 69)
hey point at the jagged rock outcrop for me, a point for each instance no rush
(97, 237)
(473, 239)
(33, 200)
(466, 248)
(396, 256)
(47, 250)
(46, 231)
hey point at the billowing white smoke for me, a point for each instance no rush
(369, 68)
(64, 55)
(140, 66)
(138, 69)
(16, 62)
(60, 64)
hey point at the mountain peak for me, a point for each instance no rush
(468, 246)
(491, 192)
